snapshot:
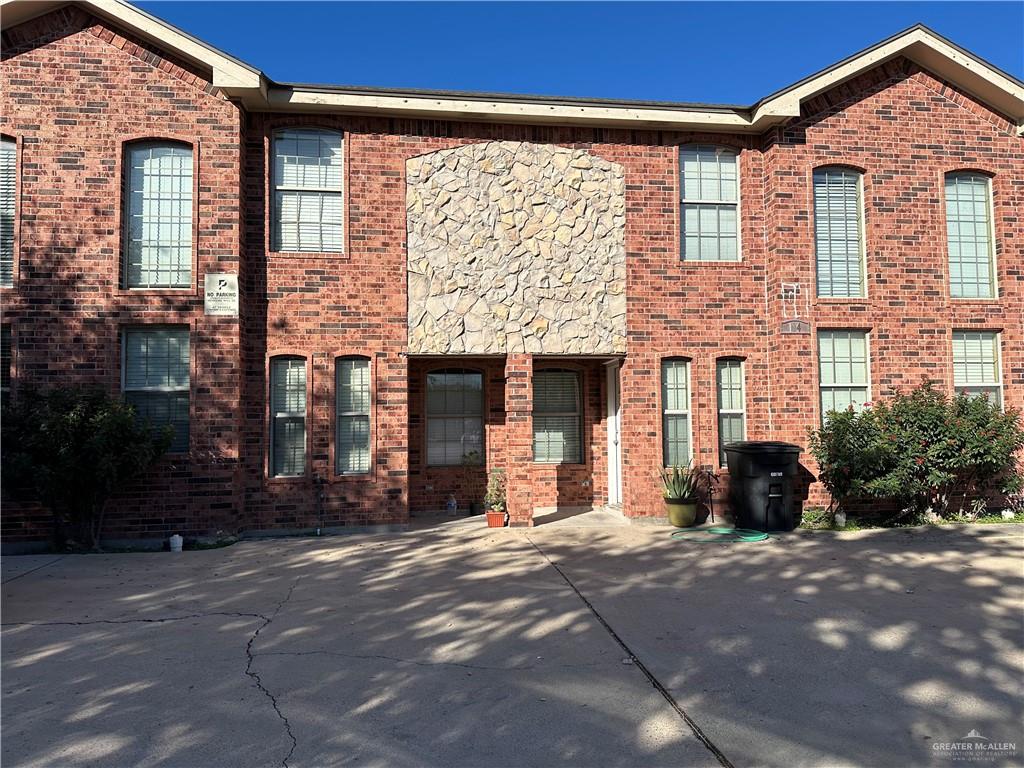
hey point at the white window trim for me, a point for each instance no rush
(481, 414)
(275, 188)
(738, 202)
(992, 250)
(998, 385)
(862, 234)
(666, 412)
(339, 415)
(275, 415)
(15, 149)
(577, 415)
(742, 413)
(821, 387)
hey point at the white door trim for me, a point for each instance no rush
(614, 430)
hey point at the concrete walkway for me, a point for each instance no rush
(565, 646)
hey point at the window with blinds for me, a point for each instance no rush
(976, 365)
(8, 206)
(455, 408)
(156, 378)
(6, 362)
(308, 184)
(709, 208)
(352, 409)
(158, 215)
(838, 233)
(731, 410)
(675, 412)
(843, 370)
(287, 416)
(557, 417)
(968, 235)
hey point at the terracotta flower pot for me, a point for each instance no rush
(681, 514)
(495, 519)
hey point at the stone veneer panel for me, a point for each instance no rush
(516, 247)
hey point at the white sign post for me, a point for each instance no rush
(221, 294)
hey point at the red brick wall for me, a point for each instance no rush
(73, 92)
(901, 126)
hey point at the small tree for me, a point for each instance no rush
(72, 448)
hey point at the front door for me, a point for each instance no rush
(614, 435)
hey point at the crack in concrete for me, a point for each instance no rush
(250, 656)
(658, 685)
(161, 620)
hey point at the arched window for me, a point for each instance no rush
(352, 413)
(158, 215)
(557, 417)
(968, 235)
(675, 412)
(287, 416)
(455, 423)
(709, 216)
(839, 232)
(308, 185)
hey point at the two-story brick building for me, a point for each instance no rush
(353, 303)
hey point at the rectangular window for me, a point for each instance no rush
(843, 370)
(156, 378)
(8, 206)
(455, 407)
(557, 416)
(288, 416)
(352, 442)
(6, 359)
(968, 233)
(731, 411)
(308, 184)
(675, 410)
(976, 364)
(838, 234)
(709, 206)
(158, 216)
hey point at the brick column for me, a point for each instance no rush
(518, 457)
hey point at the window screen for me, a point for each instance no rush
(968, 233)
(843, 370)
(352, 385)
(556, 417)
(709, 205)
(455, 406)
(158, 216)
(976, 364)
(731, 411)
(156, 378)
(288, 416)
(8, 190)
(837, 232)
(308, 182)
(675, 406)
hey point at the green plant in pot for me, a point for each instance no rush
(494, 500)
(679, 487)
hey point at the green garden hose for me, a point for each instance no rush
(719, 535)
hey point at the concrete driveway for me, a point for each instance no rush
(553, 647)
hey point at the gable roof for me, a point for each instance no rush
(257, 92)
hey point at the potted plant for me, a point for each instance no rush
(680, 491)
(494, 500)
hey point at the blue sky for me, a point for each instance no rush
(704, 52)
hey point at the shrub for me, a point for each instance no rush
(922, 450)
(71, 449)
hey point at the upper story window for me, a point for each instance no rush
(839, 233)
(675, 412)
(156, 378)
(557, 417)
(308, 183)
(976, 365)
(843, 370)
(287, 416)
(968, 234)
(8, 191)
(352, 408)
(158, 215)
(455, 423)
(709, 214)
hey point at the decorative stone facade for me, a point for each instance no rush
(516, 247)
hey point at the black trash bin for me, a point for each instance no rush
(762, 480)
